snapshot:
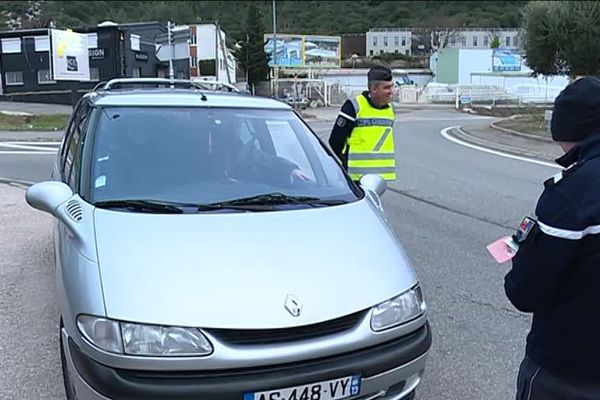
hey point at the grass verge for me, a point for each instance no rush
(43, 122)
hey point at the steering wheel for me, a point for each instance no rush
(298, 182)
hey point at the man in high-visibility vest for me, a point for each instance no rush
(363, 136)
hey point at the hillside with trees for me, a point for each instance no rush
(306, 17)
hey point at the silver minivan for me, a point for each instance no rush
(209, 246)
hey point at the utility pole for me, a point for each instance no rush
(225, 54)
(276, 69)
(247, 61)
(216, 50)
(169, 33)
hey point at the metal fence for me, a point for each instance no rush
(339, 93)
(462, 95)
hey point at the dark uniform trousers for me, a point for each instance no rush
(536, 383)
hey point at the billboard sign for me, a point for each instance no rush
(288, 48)
(298, 51)
(506, 60)
(70, 56)
(322, 51)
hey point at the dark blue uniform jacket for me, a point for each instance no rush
(556, 271)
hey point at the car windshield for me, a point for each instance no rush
(206, 156)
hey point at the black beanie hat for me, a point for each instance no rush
(576, 114)
(379, 73)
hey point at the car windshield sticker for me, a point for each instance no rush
(101, 181)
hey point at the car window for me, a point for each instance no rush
(79, 136)
(72, 147)
(67, 139)
(203, 155)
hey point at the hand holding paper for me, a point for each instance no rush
(503, 249)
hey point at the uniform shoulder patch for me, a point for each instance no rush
(553, 180)
(341, 122)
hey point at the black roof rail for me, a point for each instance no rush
(197, 84)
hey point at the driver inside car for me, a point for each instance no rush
(239, 157)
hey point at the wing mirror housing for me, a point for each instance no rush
(48, 196)
(373, 183)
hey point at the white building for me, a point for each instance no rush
(481, 38)
(389, 40)
(504, 69)
(411, 41)
(209, 56)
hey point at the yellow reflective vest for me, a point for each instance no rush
(372, 141)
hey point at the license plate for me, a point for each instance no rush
(335, 389)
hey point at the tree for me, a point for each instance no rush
(250, 51)
(21, 14)
(562, 37)
(441, 30)
(495, 42)
(441, 38)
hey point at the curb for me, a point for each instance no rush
(517, 133)
(319, 119)
(21, 184)
(460, 133)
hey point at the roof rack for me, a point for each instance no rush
(207, 85)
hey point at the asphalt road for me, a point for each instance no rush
(449, 202)
(27, 161)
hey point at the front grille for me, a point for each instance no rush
(268, 336)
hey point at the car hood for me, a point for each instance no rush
(235, 270)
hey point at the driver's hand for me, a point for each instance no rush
(297, 174)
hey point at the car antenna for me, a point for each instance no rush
(203, 97)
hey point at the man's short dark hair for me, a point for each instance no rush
(379, 74)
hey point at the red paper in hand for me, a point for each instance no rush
(501, 249)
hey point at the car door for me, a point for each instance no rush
(69, 172)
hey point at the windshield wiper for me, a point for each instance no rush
(173, 207)
(153, 206)
(261, 202)
(280, 198)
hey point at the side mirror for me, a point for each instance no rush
(374, 183)
(47, 196)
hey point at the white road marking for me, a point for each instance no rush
(25, 147)
(469, 118)
(31, 153)
(445, 134)
(31, 148)
(36, 143)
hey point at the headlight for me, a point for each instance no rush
(143, 340)
(403, 308)
(149, 340)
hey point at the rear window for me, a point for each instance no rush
(203, 155)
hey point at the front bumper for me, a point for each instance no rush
(389, 371)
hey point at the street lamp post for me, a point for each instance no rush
(276, 70)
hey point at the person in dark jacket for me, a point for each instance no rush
(556, 271)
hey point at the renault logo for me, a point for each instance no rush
(293, 305)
